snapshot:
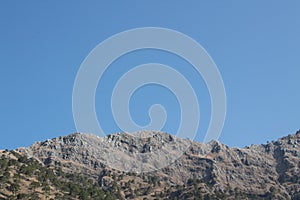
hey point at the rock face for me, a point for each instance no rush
(139, 152)
(179, 166)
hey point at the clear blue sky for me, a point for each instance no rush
(255, 44)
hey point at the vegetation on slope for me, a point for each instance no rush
(26, 178)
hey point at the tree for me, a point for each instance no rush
(33, 185)
(14, 187)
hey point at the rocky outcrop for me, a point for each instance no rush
(258, 169)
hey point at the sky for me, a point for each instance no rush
(255, 45)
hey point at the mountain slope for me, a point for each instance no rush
(203, 171)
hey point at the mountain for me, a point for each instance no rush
(150, 165)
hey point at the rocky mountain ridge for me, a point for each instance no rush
(267, 171)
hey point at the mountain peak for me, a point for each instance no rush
(176, 161)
